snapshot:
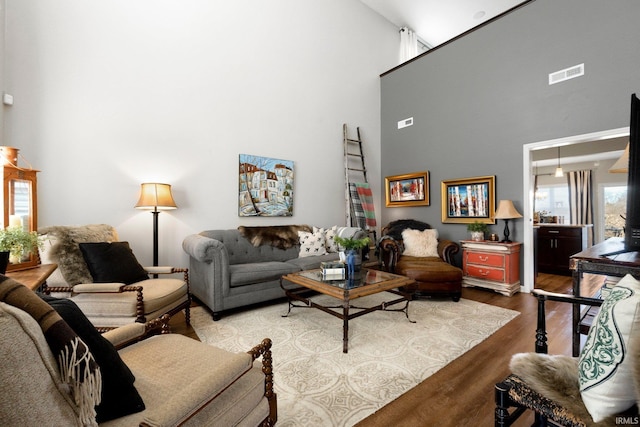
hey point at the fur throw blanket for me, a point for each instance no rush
(279, 236)
(62, 248)
(395, 228)
(77, 367)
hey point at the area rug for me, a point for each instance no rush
(317, 384)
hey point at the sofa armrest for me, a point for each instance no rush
(133, 332)
(447, 249)
(208, 269)
(98, 287)
(201, 248)
(389, 251)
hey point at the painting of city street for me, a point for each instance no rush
(265, 186)
(468, 200)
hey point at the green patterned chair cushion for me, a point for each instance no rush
(605, 374)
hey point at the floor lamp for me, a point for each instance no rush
(506, 211)
(157, 197)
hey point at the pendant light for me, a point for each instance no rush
(559, 173)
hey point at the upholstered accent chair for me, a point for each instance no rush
(102, 276)
(180, 381)
(600, 388)
(412, 248)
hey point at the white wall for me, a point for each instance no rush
(112, 94)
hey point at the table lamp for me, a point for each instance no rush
(506, 211)
(157, 197)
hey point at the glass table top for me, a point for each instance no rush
(361, 278)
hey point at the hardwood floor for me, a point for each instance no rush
(461, 393)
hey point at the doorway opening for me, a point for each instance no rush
(528, 279)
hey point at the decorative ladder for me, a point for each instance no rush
(354, 167)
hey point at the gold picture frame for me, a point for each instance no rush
(411, 189)
(468, 200)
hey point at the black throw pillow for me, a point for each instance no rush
(112, 262)
(119, 396)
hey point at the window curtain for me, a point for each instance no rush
(581, 198)
(408, 44)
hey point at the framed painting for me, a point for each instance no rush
(468, 200)
(265, 186)
(411, 189)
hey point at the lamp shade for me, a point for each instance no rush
(156, 196)
(506, 210)
(622, 164)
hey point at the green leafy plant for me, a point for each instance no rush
(17, 241)
(478, 226)
(351, 243)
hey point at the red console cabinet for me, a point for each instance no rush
(491, 265)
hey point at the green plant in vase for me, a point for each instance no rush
(18, 242)
(349, 243)
(351, 247)
(478, 230)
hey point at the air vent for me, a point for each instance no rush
(566, 74)
(406, 122)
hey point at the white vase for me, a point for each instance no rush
(477, 236)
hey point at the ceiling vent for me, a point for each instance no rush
(566, 74)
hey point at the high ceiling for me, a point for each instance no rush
(436, 21)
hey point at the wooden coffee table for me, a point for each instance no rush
(365, 282)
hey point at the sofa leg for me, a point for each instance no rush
(216, 316)
(456, 296)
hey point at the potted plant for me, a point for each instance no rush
(15, 242)
(477, 229)
(350, 247)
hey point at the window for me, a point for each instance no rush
(553, 200)
(615, 209)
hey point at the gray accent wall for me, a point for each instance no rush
(477, 100)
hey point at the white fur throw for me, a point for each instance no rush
(420, 243)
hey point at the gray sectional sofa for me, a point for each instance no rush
(227, 271)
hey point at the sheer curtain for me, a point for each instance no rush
(408, 44)
(581, 198)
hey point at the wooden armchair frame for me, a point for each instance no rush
(513, 392)
(120, 288)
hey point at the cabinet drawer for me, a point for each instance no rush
(560, 232)
(489, 260)
(486, 273)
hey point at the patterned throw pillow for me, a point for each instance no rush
(329, 235)
(311, 244)
(420, 243)
(605, 374)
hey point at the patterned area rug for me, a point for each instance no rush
(319, 385)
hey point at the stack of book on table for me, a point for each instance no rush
(332, 270)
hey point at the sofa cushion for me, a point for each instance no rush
(311, 262)
(311, 244)
(225, 383)
(158, 293)
(119, 395)
(257, 272)
(112, 262)
(420, 243)
(605, 368)
(428, 269)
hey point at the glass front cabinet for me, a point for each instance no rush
(20, 201)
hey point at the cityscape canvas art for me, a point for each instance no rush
(265, 186)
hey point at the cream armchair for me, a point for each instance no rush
(101, 275)
(180, 380)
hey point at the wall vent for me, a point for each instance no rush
(566, 74)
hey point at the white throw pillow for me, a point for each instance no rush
(605, 374)
(329, 236)
(420, 243)
(311, 244)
